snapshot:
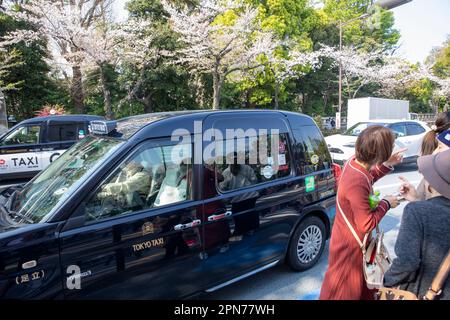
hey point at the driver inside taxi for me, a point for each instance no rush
(132, 185)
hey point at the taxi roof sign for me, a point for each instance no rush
(102, 127)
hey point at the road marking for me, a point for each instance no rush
(313, 295)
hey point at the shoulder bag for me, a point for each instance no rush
(376, 259)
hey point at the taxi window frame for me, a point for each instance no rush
(80, 209)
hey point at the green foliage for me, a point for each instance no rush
(30, 83)
(27, 81)
(165, 87)
(373, 32)
(440, 58)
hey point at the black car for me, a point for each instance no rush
(33, 144)
(169, 205)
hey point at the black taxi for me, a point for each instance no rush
(169, 205)
(33, 144)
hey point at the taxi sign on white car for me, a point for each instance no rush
(33, 144)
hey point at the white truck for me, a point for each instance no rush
(366, 109)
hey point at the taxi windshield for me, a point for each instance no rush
(52, 186)
(360, 126)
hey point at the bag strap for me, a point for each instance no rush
(362, 245)
(438, 281)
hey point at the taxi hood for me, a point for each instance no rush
(339, 140)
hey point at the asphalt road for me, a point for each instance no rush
(281, 282)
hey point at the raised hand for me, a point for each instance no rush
(396, 158)
(407, 190)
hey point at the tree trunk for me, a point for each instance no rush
(76, 89)
(247, 98)
(109, 114)
(148, 103)
(199, 91)
(325, 100)
(277, 92)
(217, 86)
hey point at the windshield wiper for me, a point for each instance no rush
(15, 214)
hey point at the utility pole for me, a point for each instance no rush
(338, 114)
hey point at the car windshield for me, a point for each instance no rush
(52, 186)
(360, 126)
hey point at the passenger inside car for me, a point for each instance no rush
(174, 185)
(237, 175)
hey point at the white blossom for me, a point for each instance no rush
(218, 48)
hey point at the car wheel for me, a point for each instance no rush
(307, 244)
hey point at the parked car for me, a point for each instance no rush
(409, 134)
(33, 144)
(128, 213)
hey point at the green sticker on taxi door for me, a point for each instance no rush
(310, 184)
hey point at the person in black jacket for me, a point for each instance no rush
(424, 236)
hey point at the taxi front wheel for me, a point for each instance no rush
(307, 244)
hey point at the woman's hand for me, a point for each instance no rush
(407, 190)
(393, 201)
(396, 158)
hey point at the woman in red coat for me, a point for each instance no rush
(344, 279)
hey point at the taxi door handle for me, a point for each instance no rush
(185, 226)
(29, 264)
(216, 217)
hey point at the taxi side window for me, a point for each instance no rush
(154, 176)
(311, 150)
(23, 135)
(231, 174)
(399, 129)
(63, 132)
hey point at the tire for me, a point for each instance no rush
(301, 258)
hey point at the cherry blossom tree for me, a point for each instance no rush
(220, 38)
(363, 68)
(294, 66)
(65, 25)
(82, 35)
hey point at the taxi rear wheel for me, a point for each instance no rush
(307, 244)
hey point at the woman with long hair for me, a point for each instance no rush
(344, 279)
(432, 143)
(429, 142)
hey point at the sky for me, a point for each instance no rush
(423, 24)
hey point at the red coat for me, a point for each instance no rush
(344, 279)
